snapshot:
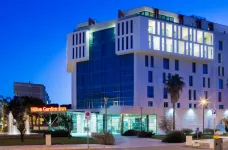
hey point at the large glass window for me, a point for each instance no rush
(152, 27)
(169, 45)
(175, 31)
(169, 30)
(163, 29)
(156, 42)
(165, 63)
(220, 84)
(196, 50)
(158, 27)
(181, 47)
(199, 36)
(184, 33)
(150, 76)
(210, 52)
(150, 92)
(208, 38)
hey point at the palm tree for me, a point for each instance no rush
(174, 86)
(4, 104)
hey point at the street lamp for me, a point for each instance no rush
(203, 102)
(106, 114)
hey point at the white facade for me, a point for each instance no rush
(180, 41)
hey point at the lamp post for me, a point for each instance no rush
(203, 102)
(106, 115)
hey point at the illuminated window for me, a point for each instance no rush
(199, 36)
(205, 52)
(186, 47)
(194, 35)
(150, 42)
(158, 27)
(169, 30)
(190, 49)
(201, 51)
(156, 42)
(169, 45)
(184, 33)
(152, 26)
(181, 47)
(175, 31)
(179, 32)
(208, 38)
(163, 29)
(190, 35)
(210, 52)
(163, 44)
(196, 50)
(175, 46)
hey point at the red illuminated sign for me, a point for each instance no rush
(48, 109)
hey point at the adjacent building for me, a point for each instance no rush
(31, 90)
(128, 59)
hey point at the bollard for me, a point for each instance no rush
(218, 144)
(188, 140)
(48, 139)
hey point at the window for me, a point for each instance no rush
(122, 43)
(195, 105)
(190, 105)
(221, 107)
(220, 84)
(83, 51)
(131, 41)
(165, 95)
(218, 70)
(76, 39)
(122, 28)
(83, 37)
(164, 77)
(219, 96)
(194, 94)
(206, 94)
(176, 65)
(150, 103)
(76, 52)
(131, 26)
(165, 63)
(150, 91)
(118, 29)
(118, 44)
(178, 105)
(205, 70)
(209, 83)
(220, 45)
(146, 61)
(73, 54)
(152, 61)
(73, 39)
(204, 84)
(80, 36)
(150, 76)
(166, 104)
(190, 81)
(190, 94)
(223, 73)
(127, 42)
(219, 58)
(194, 67)
(80, 52)
(126, 27)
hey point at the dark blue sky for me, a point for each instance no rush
(33, 35)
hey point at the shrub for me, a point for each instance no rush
(187, 131)
(103, 138)
(208, 131)
(130, 133)
(144, 134)
(174, 137)
(166, 124)
(199, 135)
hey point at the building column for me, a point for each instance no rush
(121, 123)
(147, 123)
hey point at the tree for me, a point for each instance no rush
(166, 124)
(67, 122)
(19, 114)
(174, 86)
(4, 104)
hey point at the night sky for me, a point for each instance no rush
(33, 35)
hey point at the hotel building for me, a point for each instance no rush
(128, 60)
